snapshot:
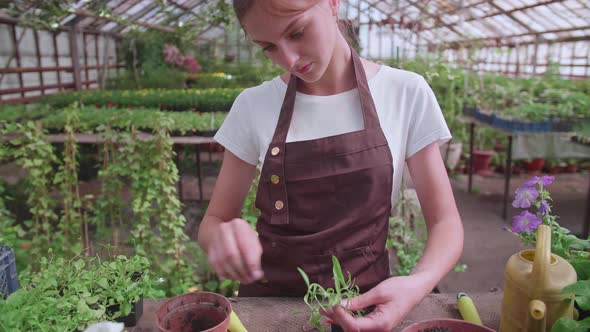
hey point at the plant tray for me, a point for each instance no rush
(134, 315)
(8, 275)
(508, 124)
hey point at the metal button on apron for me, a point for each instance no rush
(275, 151)
(274, 179)
(279, 205)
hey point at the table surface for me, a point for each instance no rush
(277, 314)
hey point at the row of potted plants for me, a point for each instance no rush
(70, 294)
(90, 118)
(201, 100)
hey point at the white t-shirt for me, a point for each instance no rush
(407, 108)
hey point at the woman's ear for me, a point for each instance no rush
(334, 6)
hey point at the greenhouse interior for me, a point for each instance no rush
(117, 117)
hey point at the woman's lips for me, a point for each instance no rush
(304, 69)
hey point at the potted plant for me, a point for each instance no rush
(71, 294)
(533, 195)
(482, 156)
(535, 165)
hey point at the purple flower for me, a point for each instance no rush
(545, 180)
(543, 208)
(525, 195)
(525, 222)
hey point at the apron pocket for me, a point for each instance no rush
(359, 262)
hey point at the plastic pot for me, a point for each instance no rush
(481, 162)
(444, 325)
(199, 311)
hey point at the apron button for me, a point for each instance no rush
(274, 179)
(279, 205)
(273, 244)
(264, 281)
(275, 151)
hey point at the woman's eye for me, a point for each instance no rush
(268, 48)
(297, 34)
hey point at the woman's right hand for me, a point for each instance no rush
(235, 252)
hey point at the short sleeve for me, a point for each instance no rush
(427, 123)
(236, 133)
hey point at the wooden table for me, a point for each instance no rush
(276, 314)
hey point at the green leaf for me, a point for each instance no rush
(79, 264)
(569, 325)
(580, 288)
(92, 299)
(582, 267)
(104, 283)
(337, 269)
(304, 275)
(583, 302)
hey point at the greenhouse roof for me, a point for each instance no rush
(445, 22)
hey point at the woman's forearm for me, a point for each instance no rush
(443, 250)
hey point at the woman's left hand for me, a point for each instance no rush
(393, 299)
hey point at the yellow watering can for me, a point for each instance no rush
(534, 279)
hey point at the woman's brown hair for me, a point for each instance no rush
(286, 8)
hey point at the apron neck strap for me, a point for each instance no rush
(370, 117)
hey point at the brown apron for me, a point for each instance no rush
(324, 197)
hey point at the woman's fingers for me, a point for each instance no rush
(236, 253)
(250, 250)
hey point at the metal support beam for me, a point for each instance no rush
(73, 37)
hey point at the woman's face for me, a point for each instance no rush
(302, 43)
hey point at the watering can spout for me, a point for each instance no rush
(537, 317)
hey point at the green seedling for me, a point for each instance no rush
(318, 298)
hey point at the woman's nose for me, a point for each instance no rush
(289, 56)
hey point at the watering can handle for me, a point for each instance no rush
(542, 258)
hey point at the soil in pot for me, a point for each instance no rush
(197, 317)
(200, 311)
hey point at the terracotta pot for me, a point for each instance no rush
(571, 168)
(535, 166)
(450, 325)
(199, 311)
(481, 162)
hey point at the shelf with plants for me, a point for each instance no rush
(137, 210)
(91, 118)
(205, 100)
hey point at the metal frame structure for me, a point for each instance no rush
(451, 27)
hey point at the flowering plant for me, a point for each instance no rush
(534, 195)
(172, 56)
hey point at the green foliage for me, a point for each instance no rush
(249, 211)
(151, 78)
(208, 100)
(407, 244)
(318, 298)
(35, 155)
(70, 294)
(72, 220)
(92, 119)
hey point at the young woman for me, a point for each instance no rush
(332, 135)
